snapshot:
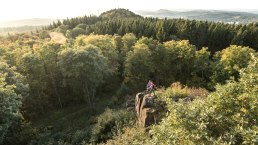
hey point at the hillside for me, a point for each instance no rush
(20, 29)
(26, 22)
(119, 13)
(23, 25)
(209, 15)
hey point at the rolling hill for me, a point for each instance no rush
(23, 25)
(27, 22)
(119, 13)
(209, 15)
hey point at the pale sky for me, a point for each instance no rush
(58, 9)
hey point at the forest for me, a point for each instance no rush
(75, 92)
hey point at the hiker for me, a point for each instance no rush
(150, 87)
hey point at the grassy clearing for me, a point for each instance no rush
(73, 118)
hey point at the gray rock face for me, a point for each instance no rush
(144, 107)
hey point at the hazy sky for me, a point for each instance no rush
(22, 9)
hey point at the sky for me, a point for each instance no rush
(58, 9)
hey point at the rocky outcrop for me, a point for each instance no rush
(144, 107)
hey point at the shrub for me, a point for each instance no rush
(123, 90)
(110, 123)
(177, 92)
(80, 135)
(129, 136)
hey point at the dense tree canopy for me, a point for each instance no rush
(105, 61)
(215, 36)
(84, 70)
(12, 92)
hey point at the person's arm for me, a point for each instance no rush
(154, 86)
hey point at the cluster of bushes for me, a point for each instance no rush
(177, 92)
(226, 116)
(130, 136)
(110, 123)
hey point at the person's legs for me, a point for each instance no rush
(152, 91)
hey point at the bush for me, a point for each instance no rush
(77, 31)
(80, 135)
(20, 133)
(177, 92)
(123, 91)
(44, 34)
(129, 136)
(110, 123)
(228, 62)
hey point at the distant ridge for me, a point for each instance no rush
(209, 15)
(27, 22)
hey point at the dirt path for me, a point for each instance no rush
(57, 37)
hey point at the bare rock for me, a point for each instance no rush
(144, 106)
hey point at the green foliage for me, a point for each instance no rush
(179, 57)
(235, 58)
(105, 45)
(138, 66)
(69, 125)
(228, 62)
(48, 55)
(119, 13)
(12, 92)
(215, 36)
(227, 116)
(33, 68)
(202, 69)
(129, 136)
(85, 69)
(128, 40)
(83, 26)
(90, 68)
(62, 28)
(20, 133)
(44, 34)
(110, 123)
(177, 92)
(77, 31)
(123, 90)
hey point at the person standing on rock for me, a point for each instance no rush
(150, 87)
